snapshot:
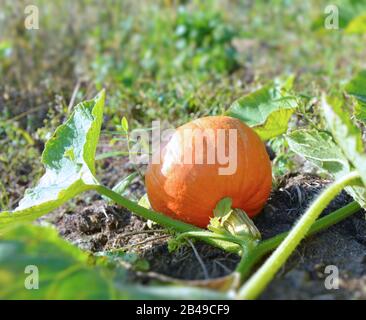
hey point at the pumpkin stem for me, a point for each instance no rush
(239, 224)
(233, 222)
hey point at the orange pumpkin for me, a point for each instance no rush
(189, 190)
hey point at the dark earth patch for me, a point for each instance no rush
(103, 226)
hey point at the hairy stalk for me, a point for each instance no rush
(330, 219)
(209, 235)
(255, 285)
(251, 258)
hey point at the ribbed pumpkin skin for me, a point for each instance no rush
(190, 192)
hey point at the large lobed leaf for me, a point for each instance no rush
(68, 159)
(338, 153)
(320, 149)
(267, 110)
(346, 134)
(63, 270)
(66, 272)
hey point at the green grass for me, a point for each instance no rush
(172, 60)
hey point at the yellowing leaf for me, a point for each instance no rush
(357, 25)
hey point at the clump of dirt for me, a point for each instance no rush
(104, 226)
(194, 262)
(101, 227)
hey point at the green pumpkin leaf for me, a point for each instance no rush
(223, 207)
(346, 134)
(121, 186)
(35, 263)
(320, 149)
(267, 110)
(232, 221)
(144, 202)
(69, 163)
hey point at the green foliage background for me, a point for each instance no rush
(173, 60)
